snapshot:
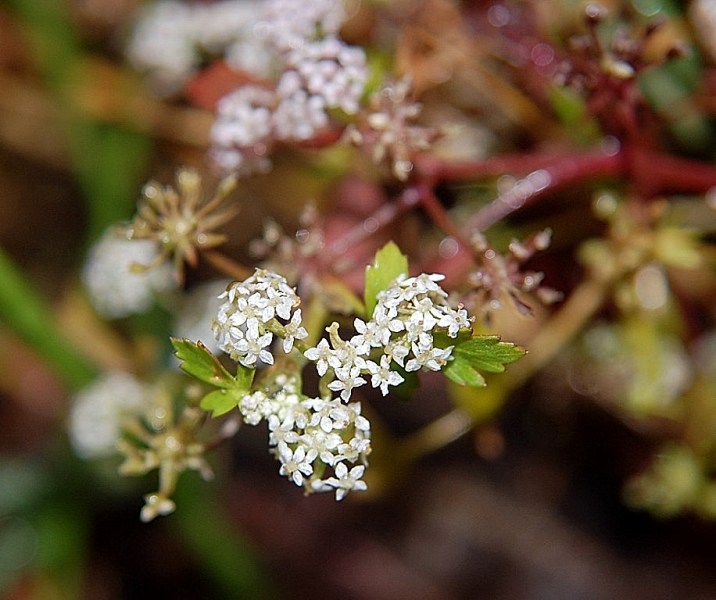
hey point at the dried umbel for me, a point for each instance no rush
(180, 221)
(605, 71)
(500, 277)
(169, 440)
(387, 130)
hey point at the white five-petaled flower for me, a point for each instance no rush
(297, 463)
(346, 481)
(382, 376)
(322, 355)
(347, 378)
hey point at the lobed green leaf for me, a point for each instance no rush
(462, 372)
(483, 352)
(198, 361)
(220, 402)
(488, 353)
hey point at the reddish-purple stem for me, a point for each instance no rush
(438, 214)
(648, 172)
(544, 181)
(382, 217)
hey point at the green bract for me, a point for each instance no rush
(389, 263)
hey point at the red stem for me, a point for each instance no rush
(433, 168)
(545, 181)
(656, 173)
(438, 214)
(385, 215)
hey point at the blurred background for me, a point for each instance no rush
(589, 477)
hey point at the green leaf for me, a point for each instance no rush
(484, 352)
(24, 309)
(220, 402)
(388, 264)
(488, 353)
(202, 364)
(244, 378)
(460, 371)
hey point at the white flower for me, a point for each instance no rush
(97, 412)
(117, 283)
(347, 378)
(324, 444)
(251, 349)
(299, 116)
(288, 23)
(372, 334)
(315, 430)
(161, 45)
(454, 321)
(240, 136)
(171, 38)
(346, 481)
(329, 69)
(429, 357)
(322, 355)
(281, 433)
(255, 407)
(413, 308)
(382, 376)
(295, 464)
(294, 331)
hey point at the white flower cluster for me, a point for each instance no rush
(242, 132)
(404, 321)
(116, 280)
(292, 43)
(253, 311)
(311, 435)
(287, 24)
(316, 72)
(97, 411)
(171, 36)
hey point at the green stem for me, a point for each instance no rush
(31, 318)
(223, 553)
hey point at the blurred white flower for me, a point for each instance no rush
(97, 411)
(120, 277)
(196, 311)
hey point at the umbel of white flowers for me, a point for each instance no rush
(400, 333)
(311, 436)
